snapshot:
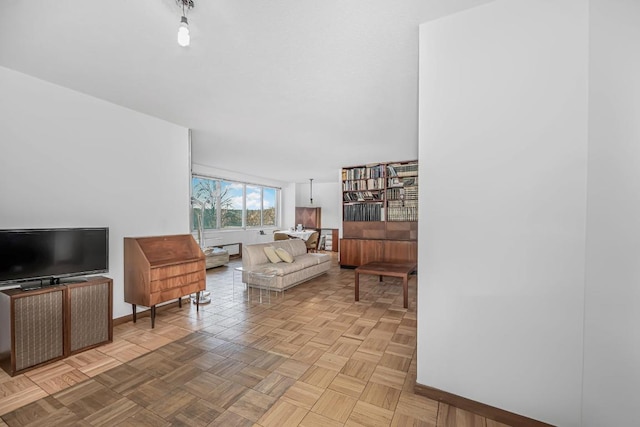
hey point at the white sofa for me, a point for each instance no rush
(305, 266)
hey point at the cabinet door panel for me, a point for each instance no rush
(400, 251)
(371, 250)
(38, 328)
(90, 314)
(349, 252)
(363, 229)
(356, 252)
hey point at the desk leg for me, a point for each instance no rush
(153, 316)
(133, 306)
(357, 286)
(405, 290)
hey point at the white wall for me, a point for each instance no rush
(287, 213)
(503, 152)
(71, 160)
(612, 322)
(326, 195)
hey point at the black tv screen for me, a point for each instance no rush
(39, 254)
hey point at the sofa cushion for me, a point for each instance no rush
(284, 255)
(294, 246)
(271, 254)
(282, 268)
(307, 260)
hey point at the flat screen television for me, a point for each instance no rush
(45, 256)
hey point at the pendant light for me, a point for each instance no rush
(311, 190)
(184, 38)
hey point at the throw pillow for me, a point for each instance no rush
(270, 252)
(284, 255)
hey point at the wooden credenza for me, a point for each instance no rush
(357, 252)
(44, 325)
(162, 268)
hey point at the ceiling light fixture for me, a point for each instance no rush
(311, 190)
(184, 38)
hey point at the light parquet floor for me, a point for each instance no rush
(312, 358)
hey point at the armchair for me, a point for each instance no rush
(312, 242)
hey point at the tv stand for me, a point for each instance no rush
(50, 323)
(70, 280)
(30, 286)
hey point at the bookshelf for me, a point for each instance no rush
(380, 213)
(402, 191)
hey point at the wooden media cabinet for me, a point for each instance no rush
(43, 325)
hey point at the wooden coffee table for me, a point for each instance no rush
(393, 269)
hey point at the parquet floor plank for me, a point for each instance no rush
(292, 368)
(197, 413)
(350, 386)
(314, 357)
(252, 405)
(368, 415)
(281, 414)
(56, 376)
(114, 413)
(334, 405)
(318, 376)
(274, 384)
(316, 420)
(18, 392)
(450, 416)
(303, 394)
(381, 396)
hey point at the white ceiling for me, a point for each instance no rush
(282, 89)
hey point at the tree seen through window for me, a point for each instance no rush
(225, 204)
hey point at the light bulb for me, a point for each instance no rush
(183, 32)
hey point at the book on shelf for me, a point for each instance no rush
(402, 182)
(402, 193)
(402, 214)
(363, 212)
(363, 172)
(402, 170)
(412, 203)
(363, 184)
(362, 196)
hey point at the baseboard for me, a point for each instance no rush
(482, 409)
(146, 313)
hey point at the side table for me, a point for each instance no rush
(263, 280)
(241, 270)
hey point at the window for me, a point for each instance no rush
(231, 202)
(203, 202)
(269, 197)
(222, 204)
(254, 206)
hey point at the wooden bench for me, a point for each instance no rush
(392, 269)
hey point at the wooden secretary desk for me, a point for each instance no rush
(162, 268)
